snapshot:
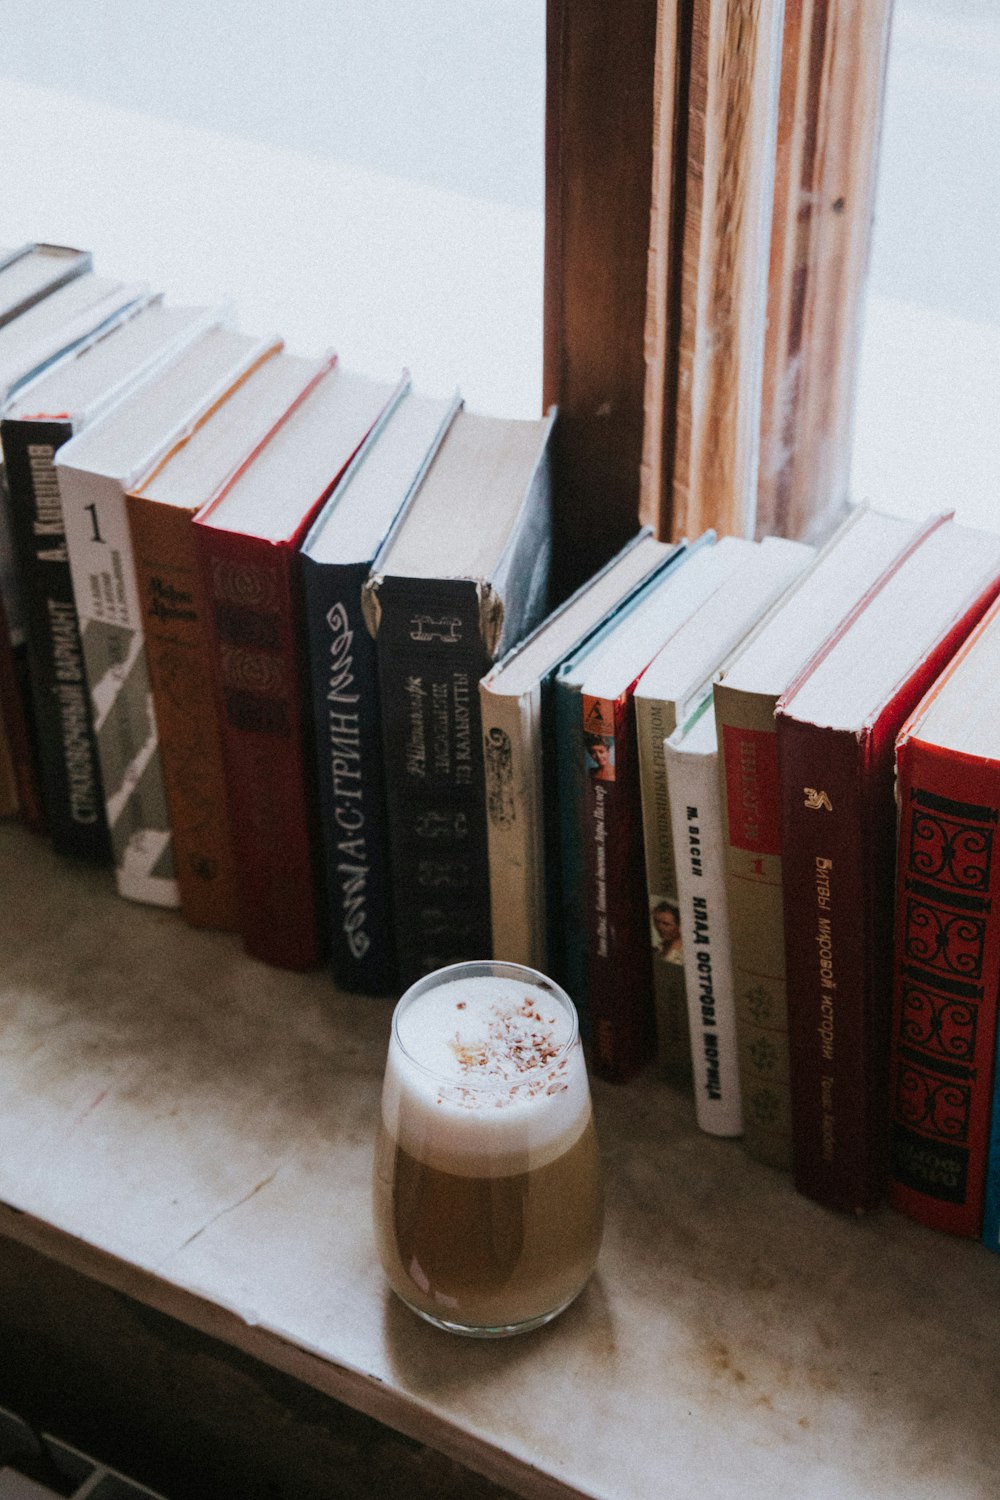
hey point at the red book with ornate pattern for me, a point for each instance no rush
(947, 949)
(837, 726)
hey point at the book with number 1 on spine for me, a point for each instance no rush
(96, 469)
(47, 414)
(35, 334)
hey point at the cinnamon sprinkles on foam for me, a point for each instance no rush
(519, 1041)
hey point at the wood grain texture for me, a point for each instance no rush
(599, 133)
(832, 84)
(670, 92)
(735, 51)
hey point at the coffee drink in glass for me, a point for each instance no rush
(487, 1187)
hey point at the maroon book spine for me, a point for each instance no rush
(838, 833)
(836, 838)
(947, 974)
(620, 984)
(255, 629)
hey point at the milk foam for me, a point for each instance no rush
(481, 1080)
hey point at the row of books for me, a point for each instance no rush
(292, 666)
(721, 754)
(831, 802)
(198, 520)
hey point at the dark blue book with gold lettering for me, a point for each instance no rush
(461, 579)
(336, 558)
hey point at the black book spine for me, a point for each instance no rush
(72, 795)
(351, 777)
(431, 655)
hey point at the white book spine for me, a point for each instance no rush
(696, 814)
(655, 719)
(102, 566)
(512, 758)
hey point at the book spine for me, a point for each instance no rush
(991, 1186)
(114, 653)
(946, 977)
(837, 838)
(620, 981)
(18, 776)
(351, 778)
(258, 662)
(568, 945)
(515, 841)
(173, 605)
(749, 753)
(431, 655)
(72, 795)
(655, 720)
(550, 824)
(9, 801)
(699, 838)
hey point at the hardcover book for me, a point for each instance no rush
(522, 783)
(616, 903)
(836, 728)
(572, 775)
(18, 781)
(44, 416)
(745, 693)
(460, 580)
(691, 754)
(946, 964)
(248, 540)
(666, 695)
(336, 558)
(95, 470)
(33, 272)
(160, 515)
(46, 331)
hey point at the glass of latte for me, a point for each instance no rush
(487, 1186)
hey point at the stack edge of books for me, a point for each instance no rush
(279, 644)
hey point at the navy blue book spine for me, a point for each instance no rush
(349, 760)
(431, 655)
(72, 795)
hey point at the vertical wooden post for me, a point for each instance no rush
(599, 134)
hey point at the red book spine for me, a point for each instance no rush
(258, 663)
(620, 978)
(947, 972)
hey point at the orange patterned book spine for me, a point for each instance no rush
(173, 604)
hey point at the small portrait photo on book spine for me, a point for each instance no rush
(665, 919)
(600, 756)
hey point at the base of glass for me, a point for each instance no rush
(489, 1331)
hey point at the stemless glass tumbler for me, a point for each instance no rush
(487, 1187)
